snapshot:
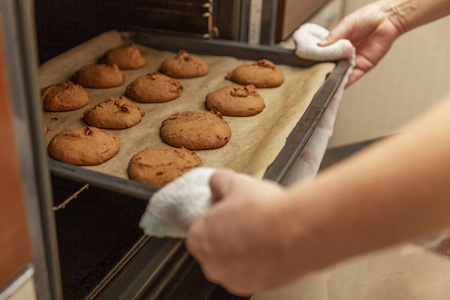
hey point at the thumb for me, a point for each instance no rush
(220, 183)
(327, 41)
(341, 31)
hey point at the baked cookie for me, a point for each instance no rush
(184, 65)
(262, 74)
(114, 114)
(64, 96)
(196, 130)
(45, 128)
(160, 165)
(154, 87)
(125, 57)
(99, 76)
(236, 100)
(83, 146)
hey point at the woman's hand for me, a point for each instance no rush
(372, 31)
(239, 243)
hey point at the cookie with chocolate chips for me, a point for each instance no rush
(160, 165)
(114, 114)
(262, 74)
(154, 88)
(196, 130)
(184, 65)
(236, 100)
(84, 146)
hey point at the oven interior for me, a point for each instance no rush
(99, 238)
(95, 228)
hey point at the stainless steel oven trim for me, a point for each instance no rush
(21, 60)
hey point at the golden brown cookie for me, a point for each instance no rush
(83, 146)
(184, 65)
(99, 76)
(125, 57)
(262, 74)
(236, 100)
(154, 87)
(64, 96)
(160, 165)
(114, 114)
(196, 130)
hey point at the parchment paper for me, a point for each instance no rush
(255, 141)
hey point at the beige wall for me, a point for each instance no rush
(411, 77)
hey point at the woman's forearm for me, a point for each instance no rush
(409, 14)
(395, 190)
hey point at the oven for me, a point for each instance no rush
(88, 244)
(63, 24)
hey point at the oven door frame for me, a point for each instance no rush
(18, 32)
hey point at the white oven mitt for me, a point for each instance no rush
(174, 208)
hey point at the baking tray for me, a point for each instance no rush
(295, 142)
(161, 268)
